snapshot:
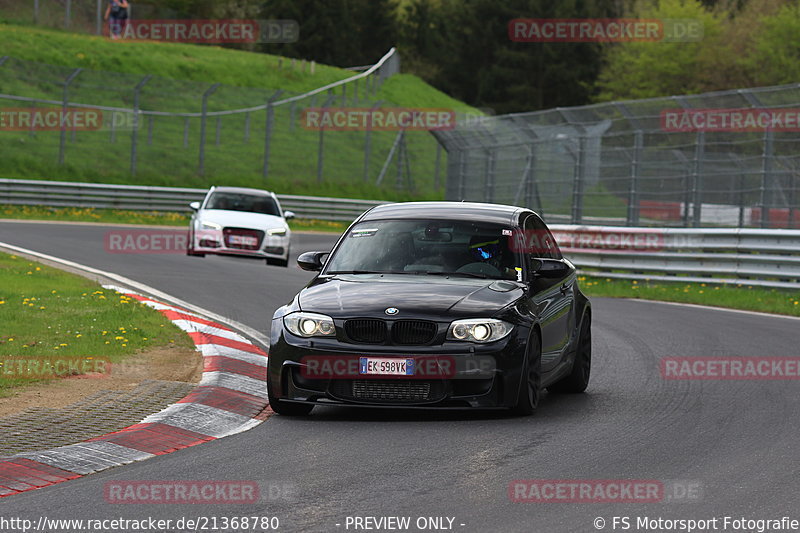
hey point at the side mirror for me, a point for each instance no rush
(549, 268)
(311, 261)
(288, 215)
(195, 206)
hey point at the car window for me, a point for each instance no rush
(420, 247)
(539, 241)
(243, 202)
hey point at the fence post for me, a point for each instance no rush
(489, 180)
(321, 143)
(633, 187)
(577, 184)
(36, 12)
(201, 168)
(247, 126)
(99, 14)
(67, 13)
(270, 110)
(135, 131)
(368, 141)
(65, 100)
(697, 179)
(766, 179)
(186, 132)
(217, 133)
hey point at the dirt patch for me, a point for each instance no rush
(171, 363)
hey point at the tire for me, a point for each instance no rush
(578, 379)
(190, 250)
(530, 389)
(287, 408)
(278, 262)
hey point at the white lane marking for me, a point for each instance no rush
(711, 307)
(237, 382)
(217, 350)
(203, 419)
(197, 327)
(87, 457)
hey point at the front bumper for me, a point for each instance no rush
(268, 247)
(464, 375)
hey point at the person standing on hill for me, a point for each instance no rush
(117, 15)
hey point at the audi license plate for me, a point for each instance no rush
(384, 366)
(243, 240)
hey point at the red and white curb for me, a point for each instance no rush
(231, 398)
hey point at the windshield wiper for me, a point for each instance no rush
(465, 274)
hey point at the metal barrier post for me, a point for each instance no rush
(64, 102)
(99, 16)
(201, 168)
(67, 13)
(268, 132)
(767, 183)
(368, 141)
(633, 192)
(135, 130)
(577, 184)
(321, 143)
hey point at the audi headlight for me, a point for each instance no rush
(478, 330)
(309, 324)
(210, 225)
(278, 232)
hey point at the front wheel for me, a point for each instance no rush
(278, 262)
(578, 379)
(287, 408)
(530, 384)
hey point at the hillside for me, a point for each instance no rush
(168, 147)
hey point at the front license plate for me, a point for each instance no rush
(383, 366)
(244, 240)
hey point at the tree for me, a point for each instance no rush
(649, 69)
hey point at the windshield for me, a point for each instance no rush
(438, 247)
(231, 201)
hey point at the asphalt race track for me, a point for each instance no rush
(734, 440)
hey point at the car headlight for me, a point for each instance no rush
(478, 330)
(278, 232)
(309, 324)
(210, 225)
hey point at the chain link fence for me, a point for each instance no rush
(625, 163)
(161, 131)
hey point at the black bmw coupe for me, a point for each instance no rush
(433, 305)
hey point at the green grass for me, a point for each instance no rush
(183, 72)
(50, 315)
(739, 296)
(152, 218)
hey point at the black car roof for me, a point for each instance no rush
(479, 212)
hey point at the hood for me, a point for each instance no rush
(368, 295)
(245, 219)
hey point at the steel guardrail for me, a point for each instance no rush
(754, 257)
(149, 198)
